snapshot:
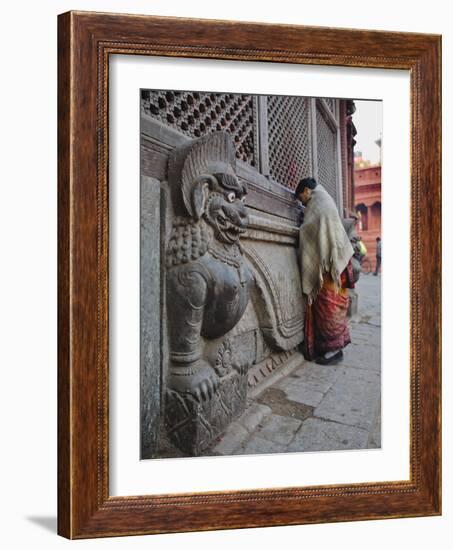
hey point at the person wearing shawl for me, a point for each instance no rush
(326, 274)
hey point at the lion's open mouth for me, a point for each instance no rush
(229, 229)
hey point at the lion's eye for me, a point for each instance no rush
(231, 197)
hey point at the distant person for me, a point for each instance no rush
(326, 274)
(378, 255)
(359, 248)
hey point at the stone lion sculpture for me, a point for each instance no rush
(207, 281)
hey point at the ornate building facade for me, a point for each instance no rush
(220, 234)
(368, 205)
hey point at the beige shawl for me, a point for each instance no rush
(324, 244)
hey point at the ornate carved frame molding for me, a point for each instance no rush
(86, 40)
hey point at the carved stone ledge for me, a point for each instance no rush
(262, 370)
(264, 229)
(258, 235)
(273, 226)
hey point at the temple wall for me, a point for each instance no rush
(271, 327)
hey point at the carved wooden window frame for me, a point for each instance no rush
(86, 40)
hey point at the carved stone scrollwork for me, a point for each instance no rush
(208, 287)
(278, 295)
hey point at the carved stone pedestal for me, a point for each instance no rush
(193, 425)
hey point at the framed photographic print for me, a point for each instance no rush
(235, 347)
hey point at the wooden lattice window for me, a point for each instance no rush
(289, 139)
(197, 113)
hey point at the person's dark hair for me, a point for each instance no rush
(378, 238)
(306, 182)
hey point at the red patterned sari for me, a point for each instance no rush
(326, 319)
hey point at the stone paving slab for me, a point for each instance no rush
(375, 320)
(321, 435)
(279, 429)
(231, 440)
(365, 342)
(258, 445)
(303, 393)
(362, 357)
(317, 377)
(364, 331)
(281, 405)
(353, 400)
(253, 416)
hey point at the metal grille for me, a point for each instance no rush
(289, 147)
(197, 113)
(327, 161)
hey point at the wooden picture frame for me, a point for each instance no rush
(85, 41)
